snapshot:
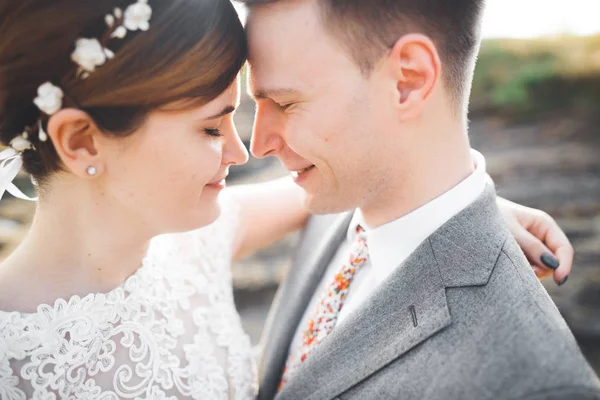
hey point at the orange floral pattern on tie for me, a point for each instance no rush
(329, 306)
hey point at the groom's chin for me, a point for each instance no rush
(319, 204)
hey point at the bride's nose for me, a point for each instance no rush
(234, 151)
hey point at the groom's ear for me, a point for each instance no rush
(415, 66)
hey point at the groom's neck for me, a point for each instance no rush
(432, 164)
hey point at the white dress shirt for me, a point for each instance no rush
(391, 244)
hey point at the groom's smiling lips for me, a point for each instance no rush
(297, 173)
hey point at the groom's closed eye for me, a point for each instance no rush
(284, 107)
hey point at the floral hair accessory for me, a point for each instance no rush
(89, 54)
(49, 99)
(137, 16)
(92, 53)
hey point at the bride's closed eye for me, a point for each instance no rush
(213, 132)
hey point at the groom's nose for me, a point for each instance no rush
(266, 135)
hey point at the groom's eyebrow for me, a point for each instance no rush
(262, 94)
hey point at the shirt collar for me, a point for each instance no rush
(392, 243)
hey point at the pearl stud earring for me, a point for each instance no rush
(91, 171)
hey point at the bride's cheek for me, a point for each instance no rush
(216, 157)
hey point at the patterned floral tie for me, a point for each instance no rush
(330, 303)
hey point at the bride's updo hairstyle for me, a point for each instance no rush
(193, 50)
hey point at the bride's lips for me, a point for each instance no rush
(218, 183)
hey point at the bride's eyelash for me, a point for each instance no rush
(213, 132)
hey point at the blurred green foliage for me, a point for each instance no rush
(526, 78)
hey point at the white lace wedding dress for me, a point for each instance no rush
(171, 331)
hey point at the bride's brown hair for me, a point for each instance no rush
(194, 50)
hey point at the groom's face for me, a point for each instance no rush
(316, 112)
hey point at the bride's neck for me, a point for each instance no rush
(80, 242)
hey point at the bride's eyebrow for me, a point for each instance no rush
(224, 112)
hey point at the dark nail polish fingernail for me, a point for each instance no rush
(563, 280)
(549, 261)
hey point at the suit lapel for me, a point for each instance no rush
(319, 244)
(408, 308)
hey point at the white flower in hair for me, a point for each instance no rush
(119, 33)
(90, 54)
(110, 20)
(137, 16)
(20, 144)
(49, 99)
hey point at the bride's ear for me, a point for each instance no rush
(74, 135)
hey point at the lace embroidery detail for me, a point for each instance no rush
(169, 332)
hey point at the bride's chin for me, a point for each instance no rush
(189, 220)
(212, 217)
(207, 212)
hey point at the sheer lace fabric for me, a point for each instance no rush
(170, 331)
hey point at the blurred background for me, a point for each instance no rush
(535, 115)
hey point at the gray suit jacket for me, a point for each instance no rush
(463, 318)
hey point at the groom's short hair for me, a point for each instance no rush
(369, 28)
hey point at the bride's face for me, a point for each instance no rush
(169, 173)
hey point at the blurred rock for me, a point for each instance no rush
(8, 229)
(554, 164)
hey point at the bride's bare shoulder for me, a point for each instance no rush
(22, 290)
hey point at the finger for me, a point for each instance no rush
(543, 262)
(565, 256)
(559, 244)
(535, 251)
(556, 241)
